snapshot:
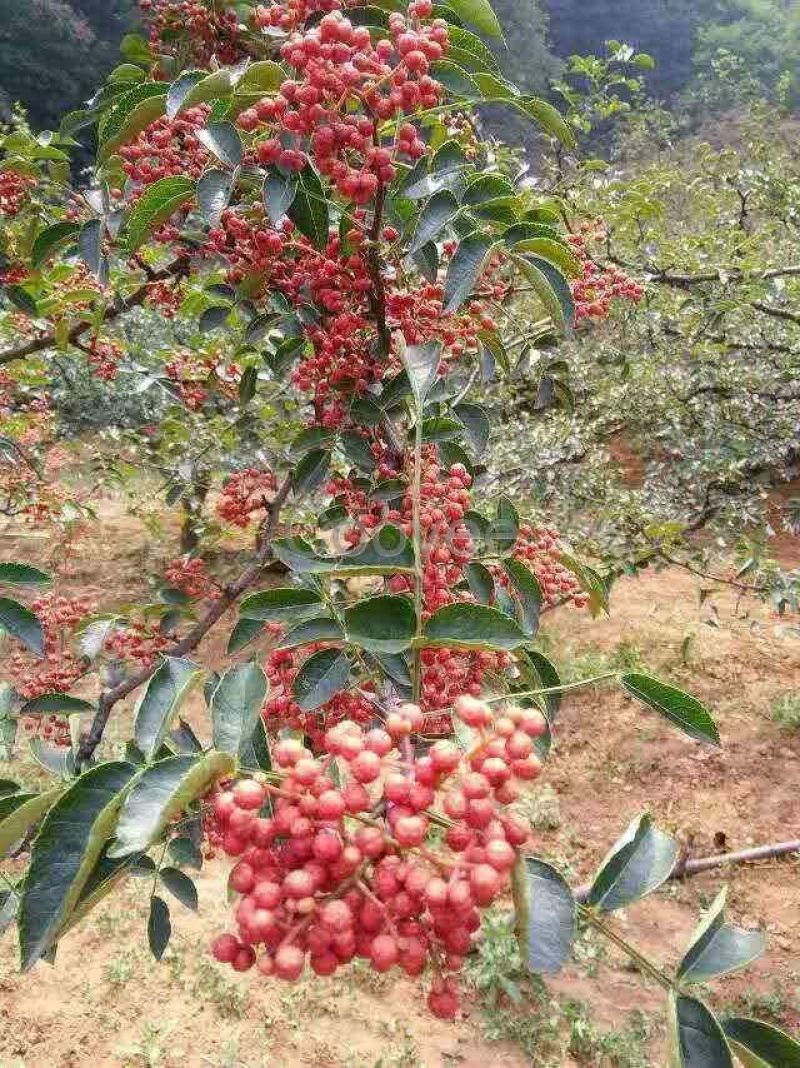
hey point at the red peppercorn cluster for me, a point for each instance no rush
(539, 548)
(12, 276)
(207, 29)
(189, 575)
(329, 873)
(59, 668)
(287, 16)
(15, 190)
(104, 358)
(167, 147)
(244, 494)
(165, 296)
(598, 286)
(193, 375)
(51, 729)
(338, 65)
(281, 710)
(138, 641)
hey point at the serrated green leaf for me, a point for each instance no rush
(288, 604)
(320, 678)
(236, 705)
(421, 363)
(639, 862)
(472, 626)
(389, 552)
(717, 948)
(323, 629)
(556, 253)
(245, 631)
(479, 14)
(477, 425)
(18, 813)
(384, 624)
(158, 706)
(545, 915)
(278, 194)
(129, 115)
(23, 574)
(161, 792)
(67, 847)
(159, 927)
(22, 624)
(437, 213)
(549, 119)
(222, 140)
(215, 86)
(554, 300)
(529, 594)
(185, 853)
(695, 1036)
(155, 206)
(214, 188)
(464, 269)
(50, 239)
(357, 450)
(309, 209)
(760, 1045)
(180, 886)
(680, 708)
(480, 581)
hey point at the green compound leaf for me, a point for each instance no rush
(70, 841)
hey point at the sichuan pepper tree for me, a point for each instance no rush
(311, 182)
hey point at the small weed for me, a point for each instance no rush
(402, 1053)
(540, 808)
(773, 1007)
(496, 969)
(590, 1045)
(786, 711)
(151, 1048)
(120, 970)
(210, 985)
(362, 976)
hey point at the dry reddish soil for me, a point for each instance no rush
(105, 1002)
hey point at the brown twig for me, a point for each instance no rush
(688, 868)
(118, 308)
(230, 595)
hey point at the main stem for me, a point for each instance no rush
(417, 536)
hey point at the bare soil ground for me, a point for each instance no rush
(105, 1002)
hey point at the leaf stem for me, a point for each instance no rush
(590, 916)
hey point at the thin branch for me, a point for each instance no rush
(718, 275)
(688, 868)
(118, 308)
(230, 595)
